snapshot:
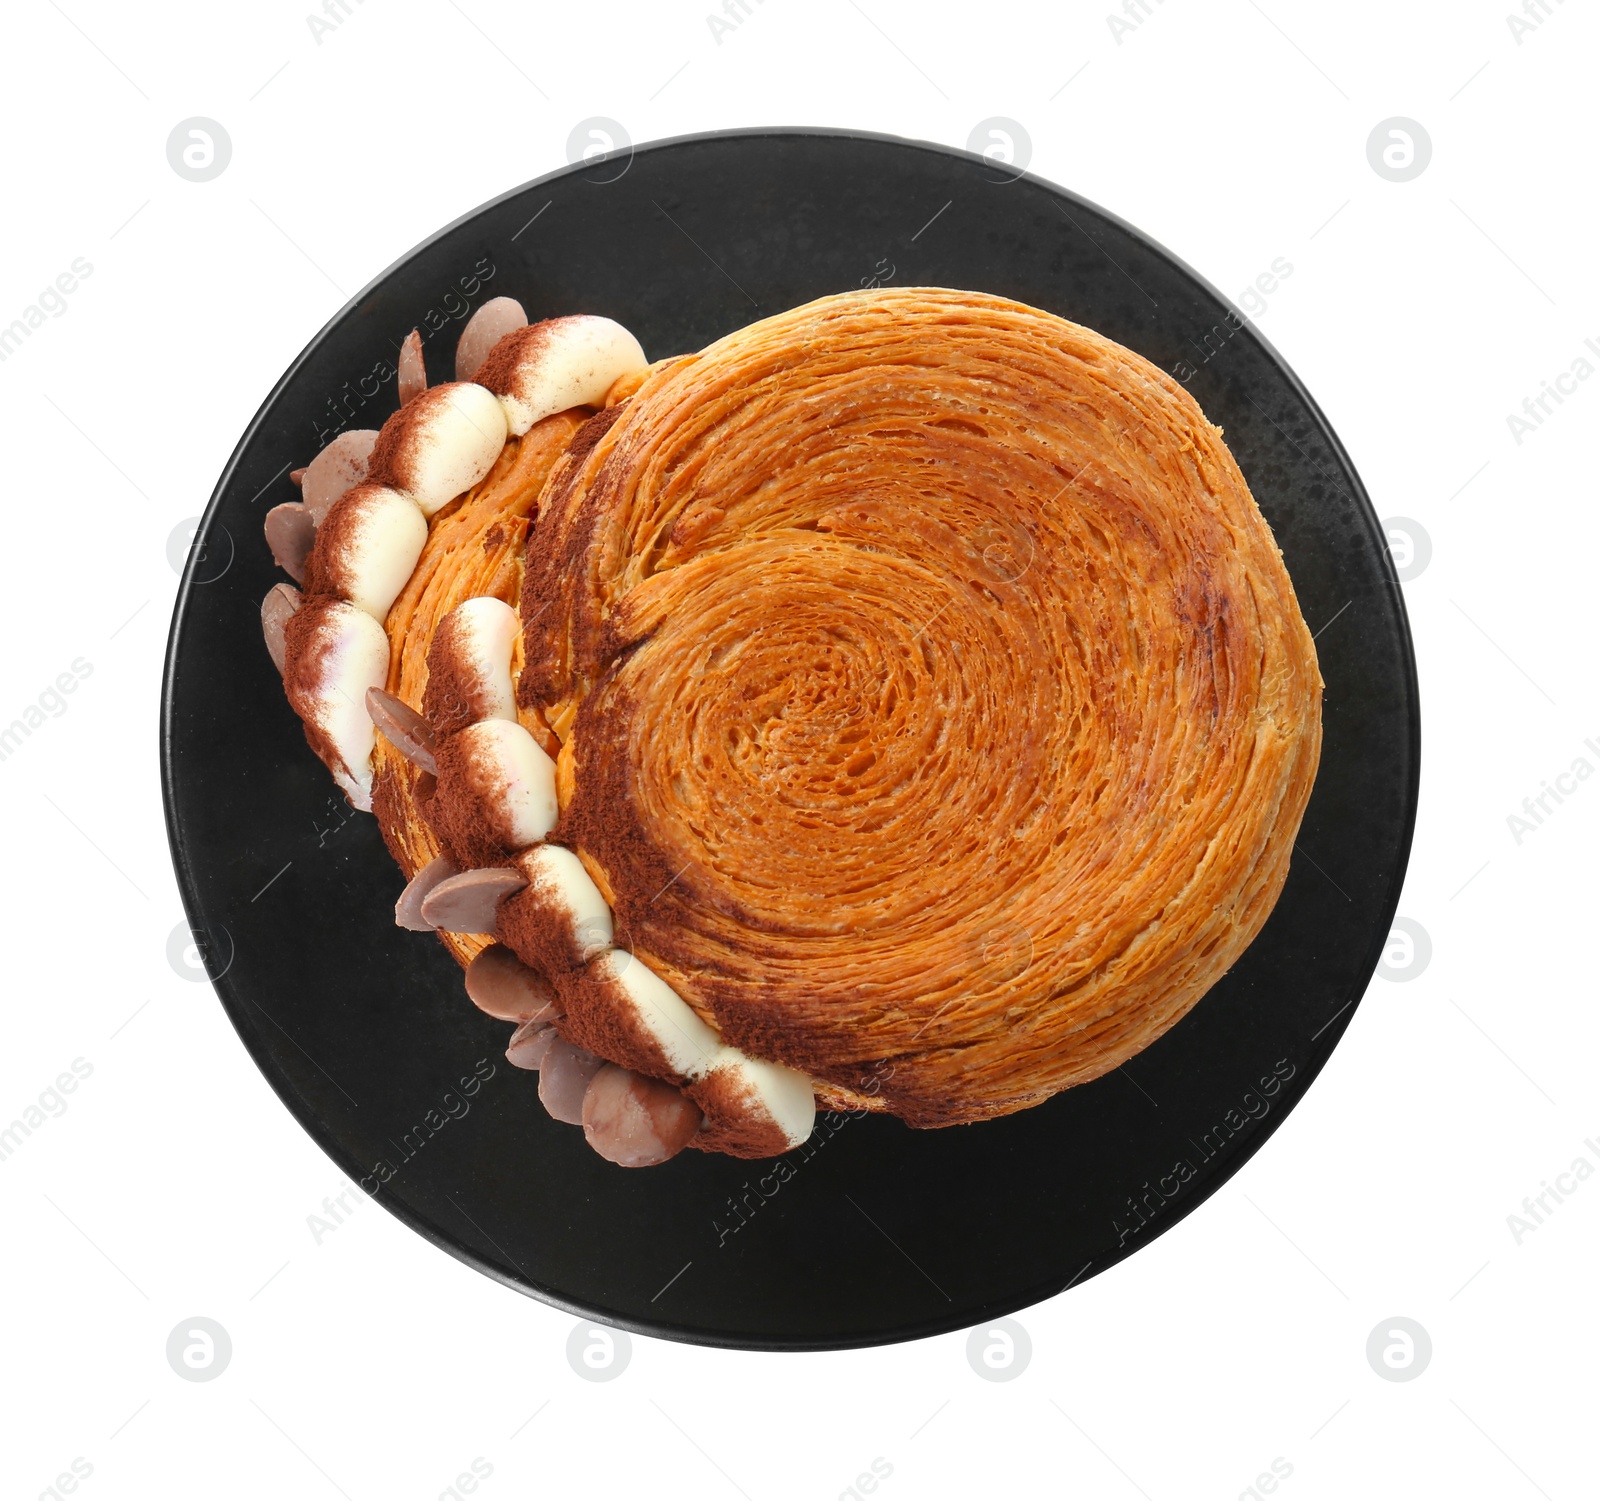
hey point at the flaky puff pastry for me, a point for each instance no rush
(937, 712)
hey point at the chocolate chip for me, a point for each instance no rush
(342, 464)
(468, 903)
(485, 328)
(405, 729)
(276, 611)
(529, 1045)
(408, 910)
(563, 1077)
(413, 377)
(634, 1120)
(290, 534)
(502, 985)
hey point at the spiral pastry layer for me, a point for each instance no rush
(937, 714)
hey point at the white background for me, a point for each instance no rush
(1420, 314)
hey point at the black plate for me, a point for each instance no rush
(873, 1232)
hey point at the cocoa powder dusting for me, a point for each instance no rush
(539, 929)
(329, 569)
(394, 455)
(501, 366)
(736, 1122)
(599, 1016)
(457, 813)
(456, 692)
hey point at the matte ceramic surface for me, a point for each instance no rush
(873, 1232)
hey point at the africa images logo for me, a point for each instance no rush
(1252, 1108)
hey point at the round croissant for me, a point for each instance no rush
(937, 714)
(905, 706)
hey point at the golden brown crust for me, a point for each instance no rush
(939, 714)
(551, 621)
